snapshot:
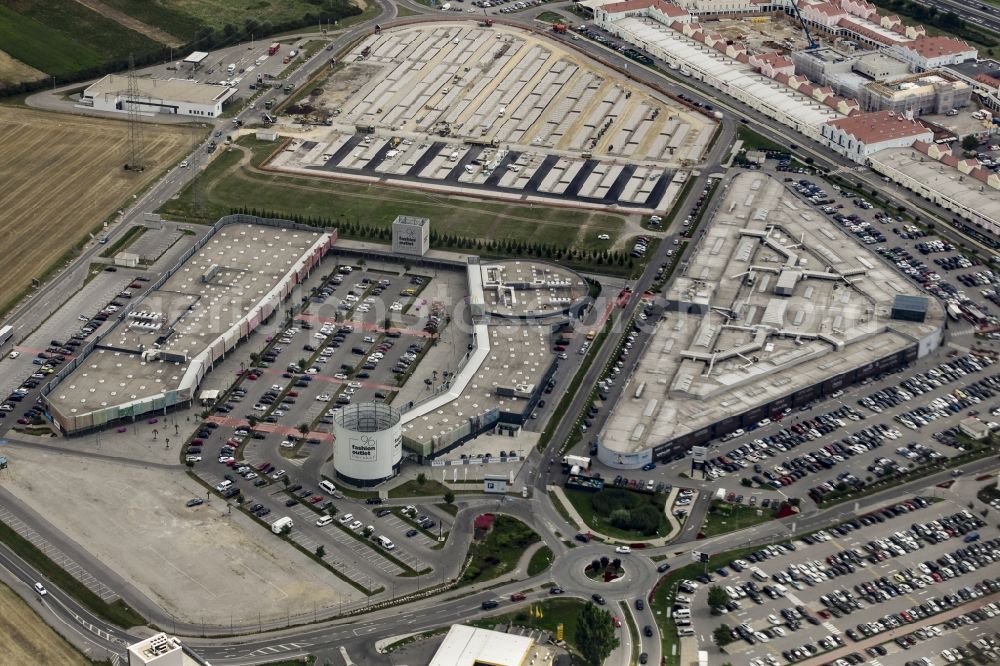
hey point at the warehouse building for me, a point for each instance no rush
(471, 646)
(170, 96)
(161, 346)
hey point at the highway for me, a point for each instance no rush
(356, 635)
(980, 13)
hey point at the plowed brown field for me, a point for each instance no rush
(27, 639)
(61, 175)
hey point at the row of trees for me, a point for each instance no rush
(506, 247)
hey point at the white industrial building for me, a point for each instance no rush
(731, 76)
(862, 134)
(172, 96)
(159, 650)
(469, 646)
(967, 195)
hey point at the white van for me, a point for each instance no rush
(385, 543)
(684, 601)
(327, 487)
(324, 520)
(685, 631)
(758, 574)
(280, 524)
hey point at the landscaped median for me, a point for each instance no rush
(726, 517)
(500, 542)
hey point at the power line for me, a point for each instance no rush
(136, 161)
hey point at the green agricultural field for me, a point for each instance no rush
(231, 182)
(63, 36)
(162, 15)
(218, 13)
(42, 47)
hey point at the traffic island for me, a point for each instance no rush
(605, 570)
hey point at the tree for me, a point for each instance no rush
(286, 530)
(717, 597)
(302, 363)
(595, 565)
(421, 479)
(722, 635)
(604, 561)
(970, 142)
(595, 635)
(320, 551)
(304, 429)
(449, 497)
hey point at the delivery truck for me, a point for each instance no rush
(570, 461)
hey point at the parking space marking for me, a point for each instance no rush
(65, 562)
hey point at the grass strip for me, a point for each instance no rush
(117, 612)
(633, 631)
(540, 561)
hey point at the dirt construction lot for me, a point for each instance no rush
(27, 639)
(197, 563)
(62, 175)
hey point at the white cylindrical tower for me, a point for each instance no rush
(368, 443)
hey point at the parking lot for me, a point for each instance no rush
(858, 584)
(56, 341)
(336, 352)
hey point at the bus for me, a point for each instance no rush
(6, 333)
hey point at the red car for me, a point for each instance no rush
(293, 394)
(616, 621)
(559, 348)
(518, 596)
(262, 466)
(315, 499)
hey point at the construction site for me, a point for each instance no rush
(498, 111)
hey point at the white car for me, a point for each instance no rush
(184, 164)
(623, 549)
(192, 459)
(604, 237)
(40, 589)
(341, 376)
(14, 354)
(354, 385)
(288, 444)
(356, 525)
(323, 397)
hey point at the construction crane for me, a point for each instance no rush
(812, 43)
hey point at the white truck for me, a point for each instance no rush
(580, 461)
(278, 525)
(231, 69)
(720, 494)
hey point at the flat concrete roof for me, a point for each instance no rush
(177, 90)
(519, 356)
(470, 646)
(524, 288)
(248, 260)
(774, 298)
(940, 177)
